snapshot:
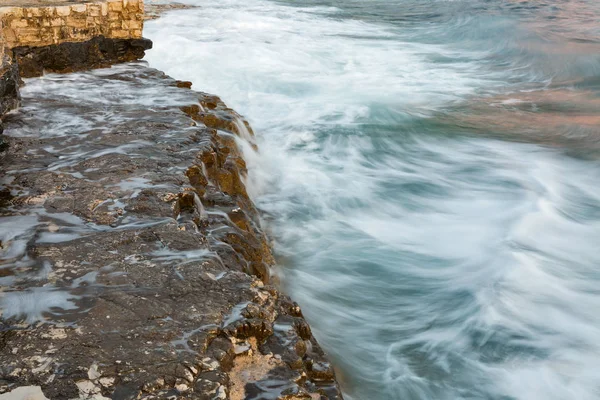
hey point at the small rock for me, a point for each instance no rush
(107, 382)
(182, 387)
(93, 372)
(183, 84)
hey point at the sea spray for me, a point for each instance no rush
(428, 172)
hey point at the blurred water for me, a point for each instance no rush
(429, 173)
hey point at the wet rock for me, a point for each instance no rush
(183, 84)
(9, 90)
(321, 371)
(9, 86)
(133, 243)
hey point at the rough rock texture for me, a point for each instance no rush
(132, 263)
(57, 36)
(52, 22)
(9, 86)
(75, 56)
(9, 90)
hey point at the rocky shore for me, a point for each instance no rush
(132, 261)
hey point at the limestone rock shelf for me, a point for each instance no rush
(136, 266)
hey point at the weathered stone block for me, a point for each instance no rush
(114, 16)
(94, 10)
(76, 22)
(79, 8)
(133, 7)
(29, 34)
(131, 25)
(15, 12)
(19, 23)
(115, 6)
(120, 34)
(57, 22)
(34, 12)
(62, 11)
(9, 35)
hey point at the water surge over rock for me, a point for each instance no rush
(429, 173)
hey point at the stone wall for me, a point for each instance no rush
(56, 36)
(52, 24)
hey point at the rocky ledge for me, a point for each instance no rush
(9, 86)
(132, 262)
(9, 90)
(97, 52)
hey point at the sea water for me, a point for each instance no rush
(429, 173)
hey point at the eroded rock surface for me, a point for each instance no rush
(132, 263)
(9, 89)
(97, 52)
(9, 86)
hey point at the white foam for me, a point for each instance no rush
(34, 303)
(429, 267)
(15, 233)
(287, 66)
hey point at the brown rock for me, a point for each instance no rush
(155, 278)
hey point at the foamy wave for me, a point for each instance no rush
(431, 264)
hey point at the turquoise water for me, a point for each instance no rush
(429, 173)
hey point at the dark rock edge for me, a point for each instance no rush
(97, 52)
